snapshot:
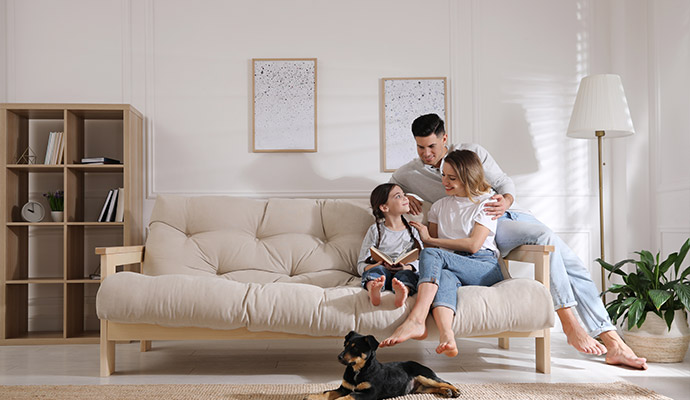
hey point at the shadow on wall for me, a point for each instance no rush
(515, 150)
(291, 173)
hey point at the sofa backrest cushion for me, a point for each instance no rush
(313, 241)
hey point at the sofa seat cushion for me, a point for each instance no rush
(176, 300)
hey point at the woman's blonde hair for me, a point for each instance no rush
(470, 171)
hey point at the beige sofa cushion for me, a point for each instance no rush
(183, 300)
(248, 240)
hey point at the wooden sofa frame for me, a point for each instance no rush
(111, 332)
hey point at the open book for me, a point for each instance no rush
(404, 258)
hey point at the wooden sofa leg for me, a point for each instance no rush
(504, 343)
(107, 351)
(543, 352)
(144, 346)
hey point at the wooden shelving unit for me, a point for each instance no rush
(27, 267)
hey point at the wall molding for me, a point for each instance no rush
(11, 65)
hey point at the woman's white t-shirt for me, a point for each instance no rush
(455, 217)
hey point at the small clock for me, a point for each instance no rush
(33, 212)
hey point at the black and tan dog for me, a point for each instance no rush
(367, 379)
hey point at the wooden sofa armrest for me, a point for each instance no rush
(111, 257)
(534, 254)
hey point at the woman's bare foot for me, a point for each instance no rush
(409, 329)
(620, 353)
(374, 287)
(401, 292)
(577, 337)
(447, 345)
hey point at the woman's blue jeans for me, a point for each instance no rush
(451, 270)
(570, 281)
(407, 277)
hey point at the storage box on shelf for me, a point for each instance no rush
(45, 286)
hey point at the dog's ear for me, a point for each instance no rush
(373, 343)
(350, 335)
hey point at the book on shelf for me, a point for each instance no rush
(104, 210)
(120, 208)
(404, 258)
(110, 217)
(99, 160)
(54, 148)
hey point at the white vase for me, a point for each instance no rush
(57, 215)
(656, 343)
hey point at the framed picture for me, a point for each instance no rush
(284, 93)
(403, 100)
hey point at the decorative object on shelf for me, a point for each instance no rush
(56, 200)
(57, 216)
(403, 100)
(28, 157)
(284, 93)
(601, 109)
(654, 298)
(33, 212)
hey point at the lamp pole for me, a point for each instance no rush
(600, 139)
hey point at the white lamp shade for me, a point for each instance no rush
(600, 105)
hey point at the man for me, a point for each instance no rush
(571, 285)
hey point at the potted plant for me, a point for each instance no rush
(57, 204)
(654, 299)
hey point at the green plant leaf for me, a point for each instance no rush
(681, 255)
(616, 288)
(659, 297)
(666, 264)
(646, 270)
(683, 292)
(614, 269)
(635, 312)
(646, 257)
(684, 273)
(668, 317)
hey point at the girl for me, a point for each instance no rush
(392, 235)
(465, 251)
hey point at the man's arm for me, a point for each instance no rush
(500, 181)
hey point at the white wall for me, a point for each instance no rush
(513, 69)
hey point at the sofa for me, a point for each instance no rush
(222, 267)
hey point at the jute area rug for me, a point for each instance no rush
(512, 391)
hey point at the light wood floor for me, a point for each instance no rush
(314, 361)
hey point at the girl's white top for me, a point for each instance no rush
(455, 217)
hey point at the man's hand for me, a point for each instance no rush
(499, 206)
(415, 205)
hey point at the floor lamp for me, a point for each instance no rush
(601, 110)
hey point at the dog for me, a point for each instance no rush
(366, 378)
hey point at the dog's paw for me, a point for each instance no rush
(451, 393)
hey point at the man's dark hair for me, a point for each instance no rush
(427, 124)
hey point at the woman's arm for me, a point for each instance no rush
(471, 244)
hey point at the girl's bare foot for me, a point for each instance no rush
(409, 329)
(401, 292)
(447, 345)
(620, 353)
(374, 287)
(577, 337)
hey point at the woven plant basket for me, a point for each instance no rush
(656, 343)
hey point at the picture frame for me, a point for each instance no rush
(284, 105)
(403, 100)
